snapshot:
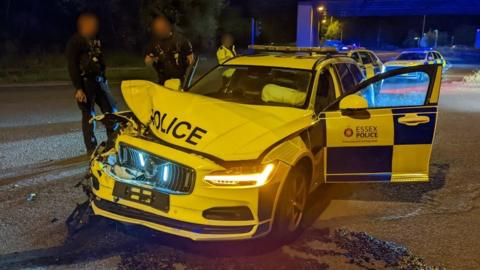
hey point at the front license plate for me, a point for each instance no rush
(145, 196)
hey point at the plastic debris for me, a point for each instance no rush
(31, 197)
(79, 218)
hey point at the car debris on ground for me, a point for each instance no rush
(31, 197)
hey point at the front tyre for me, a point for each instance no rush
(291, 206)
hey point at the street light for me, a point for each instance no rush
(322, 11)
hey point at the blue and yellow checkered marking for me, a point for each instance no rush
(421, 134)
(351, 160)
(377, 177)
(403, 157)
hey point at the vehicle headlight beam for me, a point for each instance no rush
(233, 178)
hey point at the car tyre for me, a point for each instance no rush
(291, 206)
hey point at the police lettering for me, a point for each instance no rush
(179, 129)
(366, 132)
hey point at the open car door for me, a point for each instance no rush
(383, 129)
(191, 73)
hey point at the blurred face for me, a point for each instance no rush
(227, 41)
(161, 28)
(88, 26)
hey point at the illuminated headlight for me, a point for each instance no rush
(241, 176)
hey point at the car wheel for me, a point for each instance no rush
(291, 206)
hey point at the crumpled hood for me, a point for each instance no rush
(226, 130)
(405, 63)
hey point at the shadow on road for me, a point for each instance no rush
(142, 248)
(395, 192)
(104, 239)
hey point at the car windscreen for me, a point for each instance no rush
(412, 56)
(256, 85)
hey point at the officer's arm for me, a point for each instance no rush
(73, 64)
(190, 59)
(187, 50)
(103, 66)
(150, 55)
(149, 60)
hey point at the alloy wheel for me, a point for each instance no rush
(297, 199)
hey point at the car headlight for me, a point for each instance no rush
(241, 176)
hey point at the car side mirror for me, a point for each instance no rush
(173, 84)
(353, 103)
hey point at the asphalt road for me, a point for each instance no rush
(369, 226)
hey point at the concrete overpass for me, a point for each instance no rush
(308, 17)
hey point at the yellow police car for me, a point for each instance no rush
(368, 61)
(236, 157)
(416, 57)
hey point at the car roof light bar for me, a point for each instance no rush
(293, 49)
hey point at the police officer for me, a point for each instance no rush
(227, 49)
(168, 52)
(86, 66)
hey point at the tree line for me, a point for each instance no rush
(45, 25)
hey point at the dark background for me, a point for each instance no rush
(42, 27)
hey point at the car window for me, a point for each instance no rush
(403, 90)
(374, 58)
(325, 90)
(356, 57)
(346, 77)
(356, 72)
(256, 85)
(431, 57)
(365, 58)
(412, 56)
(438, 55)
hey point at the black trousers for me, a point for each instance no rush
(96, 94)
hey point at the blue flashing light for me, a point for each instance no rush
(477, 40)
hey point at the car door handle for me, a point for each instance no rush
(413, 120)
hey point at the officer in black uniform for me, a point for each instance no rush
(168, 52)
(86, 66)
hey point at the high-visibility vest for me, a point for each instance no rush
(369, 71)
(224, 53)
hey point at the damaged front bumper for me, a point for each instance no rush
(204, 213)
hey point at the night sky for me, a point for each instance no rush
(46, 25)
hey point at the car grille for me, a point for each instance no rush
(157, 172)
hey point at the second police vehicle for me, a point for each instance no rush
(415, 57)
(368, 61)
